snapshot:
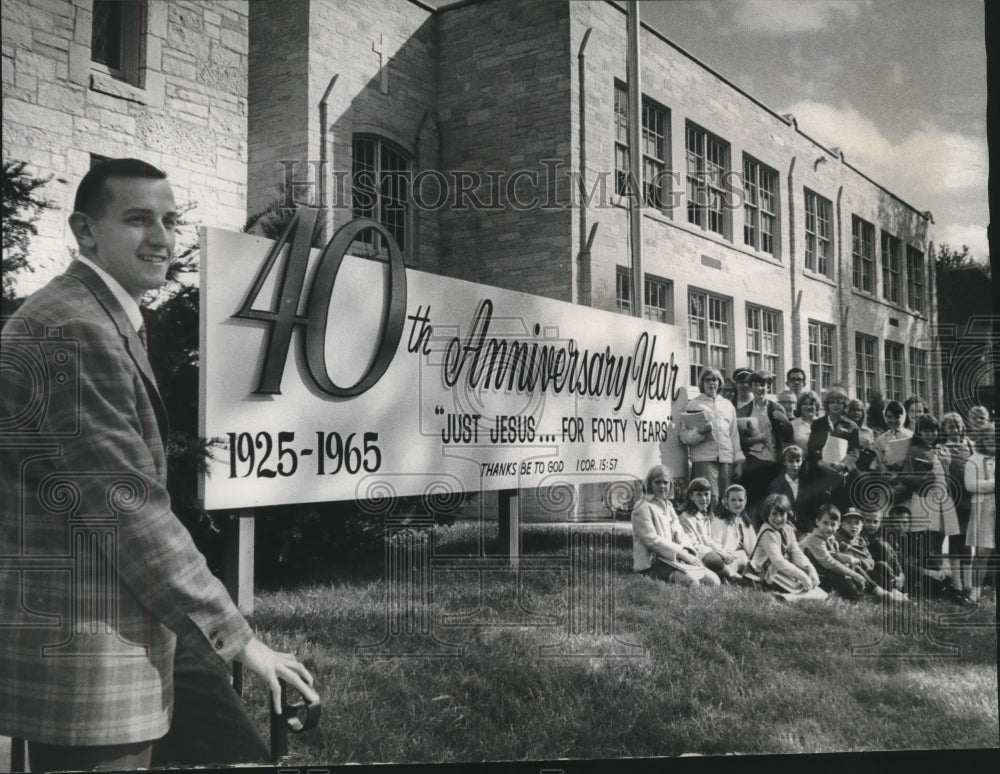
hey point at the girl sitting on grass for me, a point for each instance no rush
(777, 558)
(696, 520)
(732, 528)
(660, 547)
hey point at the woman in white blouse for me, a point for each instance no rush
(806, 410)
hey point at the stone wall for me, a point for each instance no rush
(504, 108)
(187, 114)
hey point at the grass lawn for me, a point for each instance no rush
(511, 677)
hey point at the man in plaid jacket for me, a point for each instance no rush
(108, 612)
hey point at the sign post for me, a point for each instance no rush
(238, 559)
(509, 517)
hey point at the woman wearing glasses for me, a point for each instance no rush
(711, 435)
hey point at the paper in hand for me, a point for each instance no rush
(834, 450)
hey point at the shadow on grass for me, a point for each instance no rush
(468, 539)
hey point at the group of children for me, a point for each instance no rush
(854, 554)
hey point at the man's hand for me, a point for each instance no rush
(272, 665)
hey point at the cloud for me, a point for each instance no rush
(789, 17)
(931, 168)
(957, 234)
(898, 75)
(929, 158)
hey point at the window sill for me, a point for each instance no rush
(894, 306)
(113, 87)
(819, 277)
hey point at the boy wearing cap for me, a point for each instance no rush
(854, 544)
(741, 376)
(839, 572)
(888, 567)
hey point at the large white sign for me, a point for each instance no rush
(334, 377)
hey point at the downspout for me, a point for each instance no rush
(845, 308)
(581, 268)
(325, 174)
(635, 156)
(945, 399)
(413, 220)
(793, 273)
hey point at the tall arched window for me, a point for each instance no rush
(381, 187)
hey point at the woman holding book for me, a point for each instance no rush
(922, 486)
(832, 450)
(769, 430)
(891, 445)
(660, 548)
(708, 429)
(856, 413)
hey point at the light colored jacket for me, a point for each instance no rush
(723, 444)
(100, 577)
(698, 528)
(737, 537)
(656, 531)
(980, 481)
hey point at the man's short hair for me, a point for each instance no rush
(791, 371)
(92, 193)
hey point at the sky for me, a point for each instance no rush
(898, 85)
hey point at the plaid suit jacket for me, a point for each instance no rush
(97, 575)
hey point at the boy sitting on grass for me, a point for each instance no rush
(696, 520)
(776, 558)
(888, 571)
(732, 528)
(837, 571)
(913, 548)
(853, 543)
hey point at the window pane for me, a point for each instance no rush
(106, 33)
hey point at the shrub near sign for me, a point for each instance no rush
(332, 377)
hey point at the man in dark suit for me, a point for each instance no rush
(109, 615)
